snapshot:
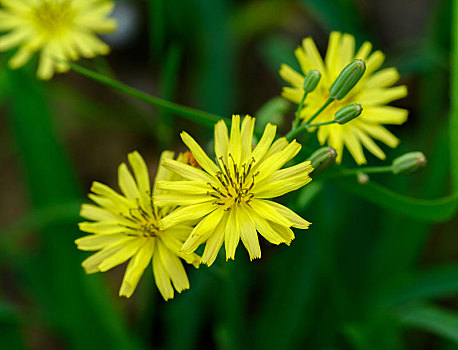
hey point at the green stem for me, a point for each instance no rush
(298, 130)
(366, 170)
(299, 110)
(319, 124)
(327, 103)
(186, 112)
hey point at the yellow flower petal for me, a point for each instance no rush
(248, 234)
(215, 241)
(221, 140)
(267, 211)
(97, 242)
(135, 269)
(232, 234)
(174, 268)
(161, 276)
(198, 153)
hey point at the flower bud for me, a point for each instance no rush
(347, 79)
(408, 163)
(322, 159)
(363, 179)
(311, 80)
(347, 113)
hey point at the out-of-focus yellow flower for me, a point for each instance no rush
(126, 227)
(374, 91)
(230, 198)
(61, 30)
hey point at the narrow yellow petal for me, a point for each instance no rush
(312, 52)
(364, 51)
(91, 264)
(135, 269)
(215, 241)
(184, 187)
(203, 231)
(347, 50)
(102, 228)
(380, 133)
(181, 199)
(264, 228)
(189, 213)
(382, 95)
(374, 62)
(268, 189)
(174, 268)
(248, 234)
(161, 276)
(369, 144)
(141, 173)
(201, 157)
(221, 140)
(122, 255)
(291, 76)
(292, 94)
(127, 183)
(283, 231)
(95, 213)
(295, 219)
(234, 148)
(97, 242)
(384, 115)
(265, 142)
(277, 160)
(246, 138)
(232, 234)
(187, 171)
(354, 146)
(384, 78)
(332, 55)
(269, 212)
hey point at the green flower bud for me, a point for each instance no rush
(408, 163)
(322, 159)
(347, 113)
(347, 79)
(311, 80)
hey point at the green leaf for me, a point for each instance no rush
(430, 318)
(436, 282)
(454, 98)
(54, 277)
(433, 210)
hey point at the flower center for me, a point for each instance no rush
(142, 223)
(53, 17)
(236, 183)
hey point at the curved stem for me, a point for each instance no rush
(186, 112)
(297, 130)
(299, 110)
(327, 103)
(320, 124)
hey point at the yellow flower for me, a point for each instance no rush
(61, 30)
(374, 91)
(127, 227)
(230, 198)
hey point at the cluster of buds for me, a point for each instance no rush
(322, 159)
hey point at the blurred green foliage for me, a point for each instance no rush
(376, 271)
